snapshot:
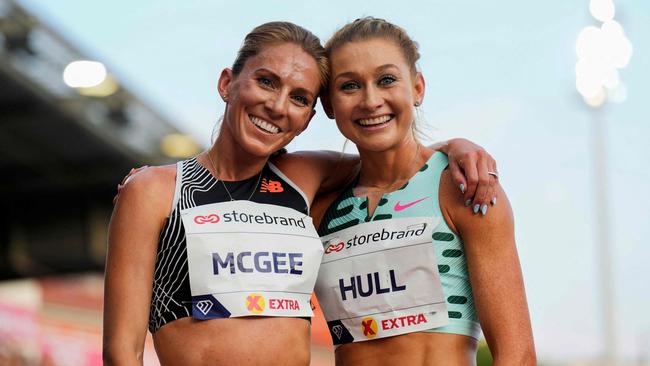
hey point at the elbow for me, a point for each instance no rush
(115, 355)
(524, 356)
(527, 358)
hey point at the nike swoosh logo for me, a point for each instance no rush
(399, 207)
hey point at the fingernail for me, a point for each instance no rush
(462, 188)
(484, 210)
(468, 202)
(494, 201)
(131, 171)
(476, 207)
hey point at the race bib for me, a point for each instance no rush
(380, 279)
(247, 258)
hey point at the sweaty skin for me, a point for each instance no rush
(267, 89)
(148, 194)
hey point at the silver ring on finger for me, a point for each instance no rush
(494, 174)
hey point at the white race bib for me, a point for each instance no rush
(247, 258)
(380, 279)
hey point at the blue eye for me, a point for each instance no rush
(265, 81)
(387, 80)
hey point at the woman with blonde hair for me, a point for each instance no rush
(216, 255)
(409, 276)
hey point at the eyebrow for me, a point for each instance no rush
(275, 76)
(378, 70)
(264, 70)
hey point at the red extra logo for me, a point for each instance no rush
(284, 304)
(334, 248)
(209, 219)
(271, 186)
(403, 321)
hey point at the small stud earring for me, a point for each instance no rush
(417, 103)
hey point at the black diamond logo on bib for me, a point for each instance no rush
(340, 334)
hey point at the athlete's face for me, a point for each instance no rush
(272, 98)
(372, 94)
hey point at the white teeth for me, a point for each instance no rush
(374, 121)
(264, 125)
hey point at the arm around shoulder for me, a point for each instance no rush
(495, 275)
(318, 172)
(138, 217)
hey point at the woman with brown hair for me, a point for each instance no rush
(216, 255)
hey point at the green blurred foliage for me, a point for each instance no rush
(483, 356)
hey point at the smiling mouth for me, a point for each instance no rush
(264, 125)
(375, 121)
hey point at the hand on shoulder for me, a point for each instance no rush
(150, 189)
(466, 222)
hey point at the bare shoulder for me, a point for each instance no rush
(464, 221)
(330, 170)
(156, 178)
(140, 212)
(311, 160)
(290, 162)
(153, 186)
(300, 170)
(495, 273)
(311, 170)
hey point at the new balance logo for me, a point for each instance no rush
(204, 306)
(271, 186)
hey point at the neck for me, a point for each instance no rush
(231, 162)
(388, 170)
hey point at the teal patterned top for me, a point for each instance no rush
(418, 197)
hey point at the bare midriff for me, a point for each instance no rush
(236, 341)
(412, 349)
